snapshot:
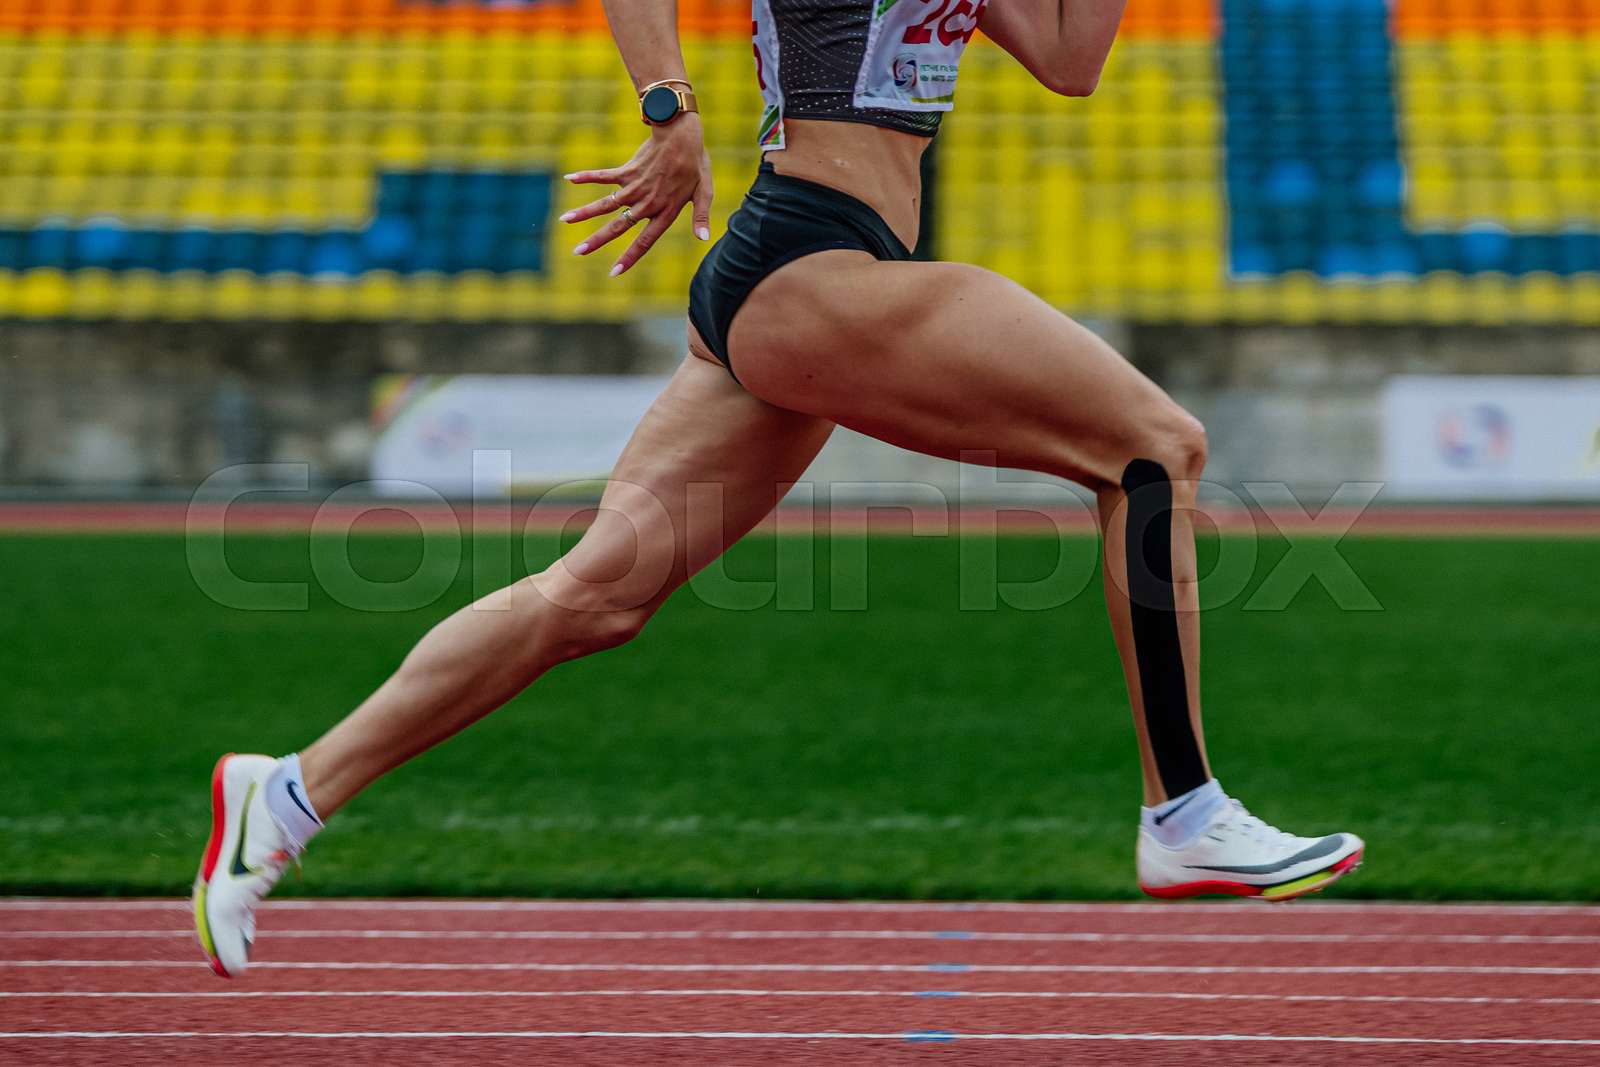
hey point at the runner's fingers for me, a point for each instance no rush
(606, 176)
(604, 206)
(645, 241)
(614, 228)
(702, 209)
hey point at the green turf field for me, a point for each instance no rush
(910, 749)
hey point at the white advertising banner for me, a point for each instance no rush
(1500, 437)
(556, 428)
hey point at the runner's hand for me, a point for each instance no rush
(670, 169)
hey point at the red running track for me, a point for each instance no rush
(775, 984)
(56, 517)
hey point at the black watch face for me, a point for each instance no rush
(660, 104)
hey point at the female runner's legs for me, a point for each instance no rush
(935, 357)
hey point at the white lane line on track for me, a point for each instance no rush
(823, 968)
(735, 1035)
(1115, 937)
(902, 994)
(1300, 908)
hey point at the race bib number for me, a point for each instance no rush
(913, 52)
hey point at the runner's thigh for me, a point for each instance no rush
(944, 358)
(707, 462)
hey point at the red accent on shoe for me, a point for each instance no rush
(1352, 860)
(208, 864)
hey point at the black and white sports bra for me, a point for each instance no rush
(889, 63)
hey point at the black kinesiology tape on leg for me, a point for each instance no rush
(1155, 627)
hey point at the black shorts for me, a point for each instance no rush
(781, 219)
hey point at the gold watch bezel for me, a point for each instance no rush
(680, 88)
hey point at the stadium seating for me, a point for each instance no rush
(1289, 160)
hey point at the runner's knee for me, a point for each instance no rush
(592, 617)
(1176, 440)
(601, 630)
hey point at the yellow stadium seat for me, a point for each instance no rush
(272, 115)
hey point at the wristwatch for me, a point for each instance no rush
(661, 102)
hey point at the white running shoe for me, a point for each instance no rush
(244, 859)
(1239, 855)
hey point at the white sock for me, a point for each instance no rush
(1180, 820)
(289, 804)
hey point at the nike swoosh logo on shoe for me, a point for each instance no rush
(294, 796)
(1316, 850)
(239, 868)
(1164, 816)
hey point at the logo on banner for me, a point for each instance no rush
(1474, 437)
(446, 433)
